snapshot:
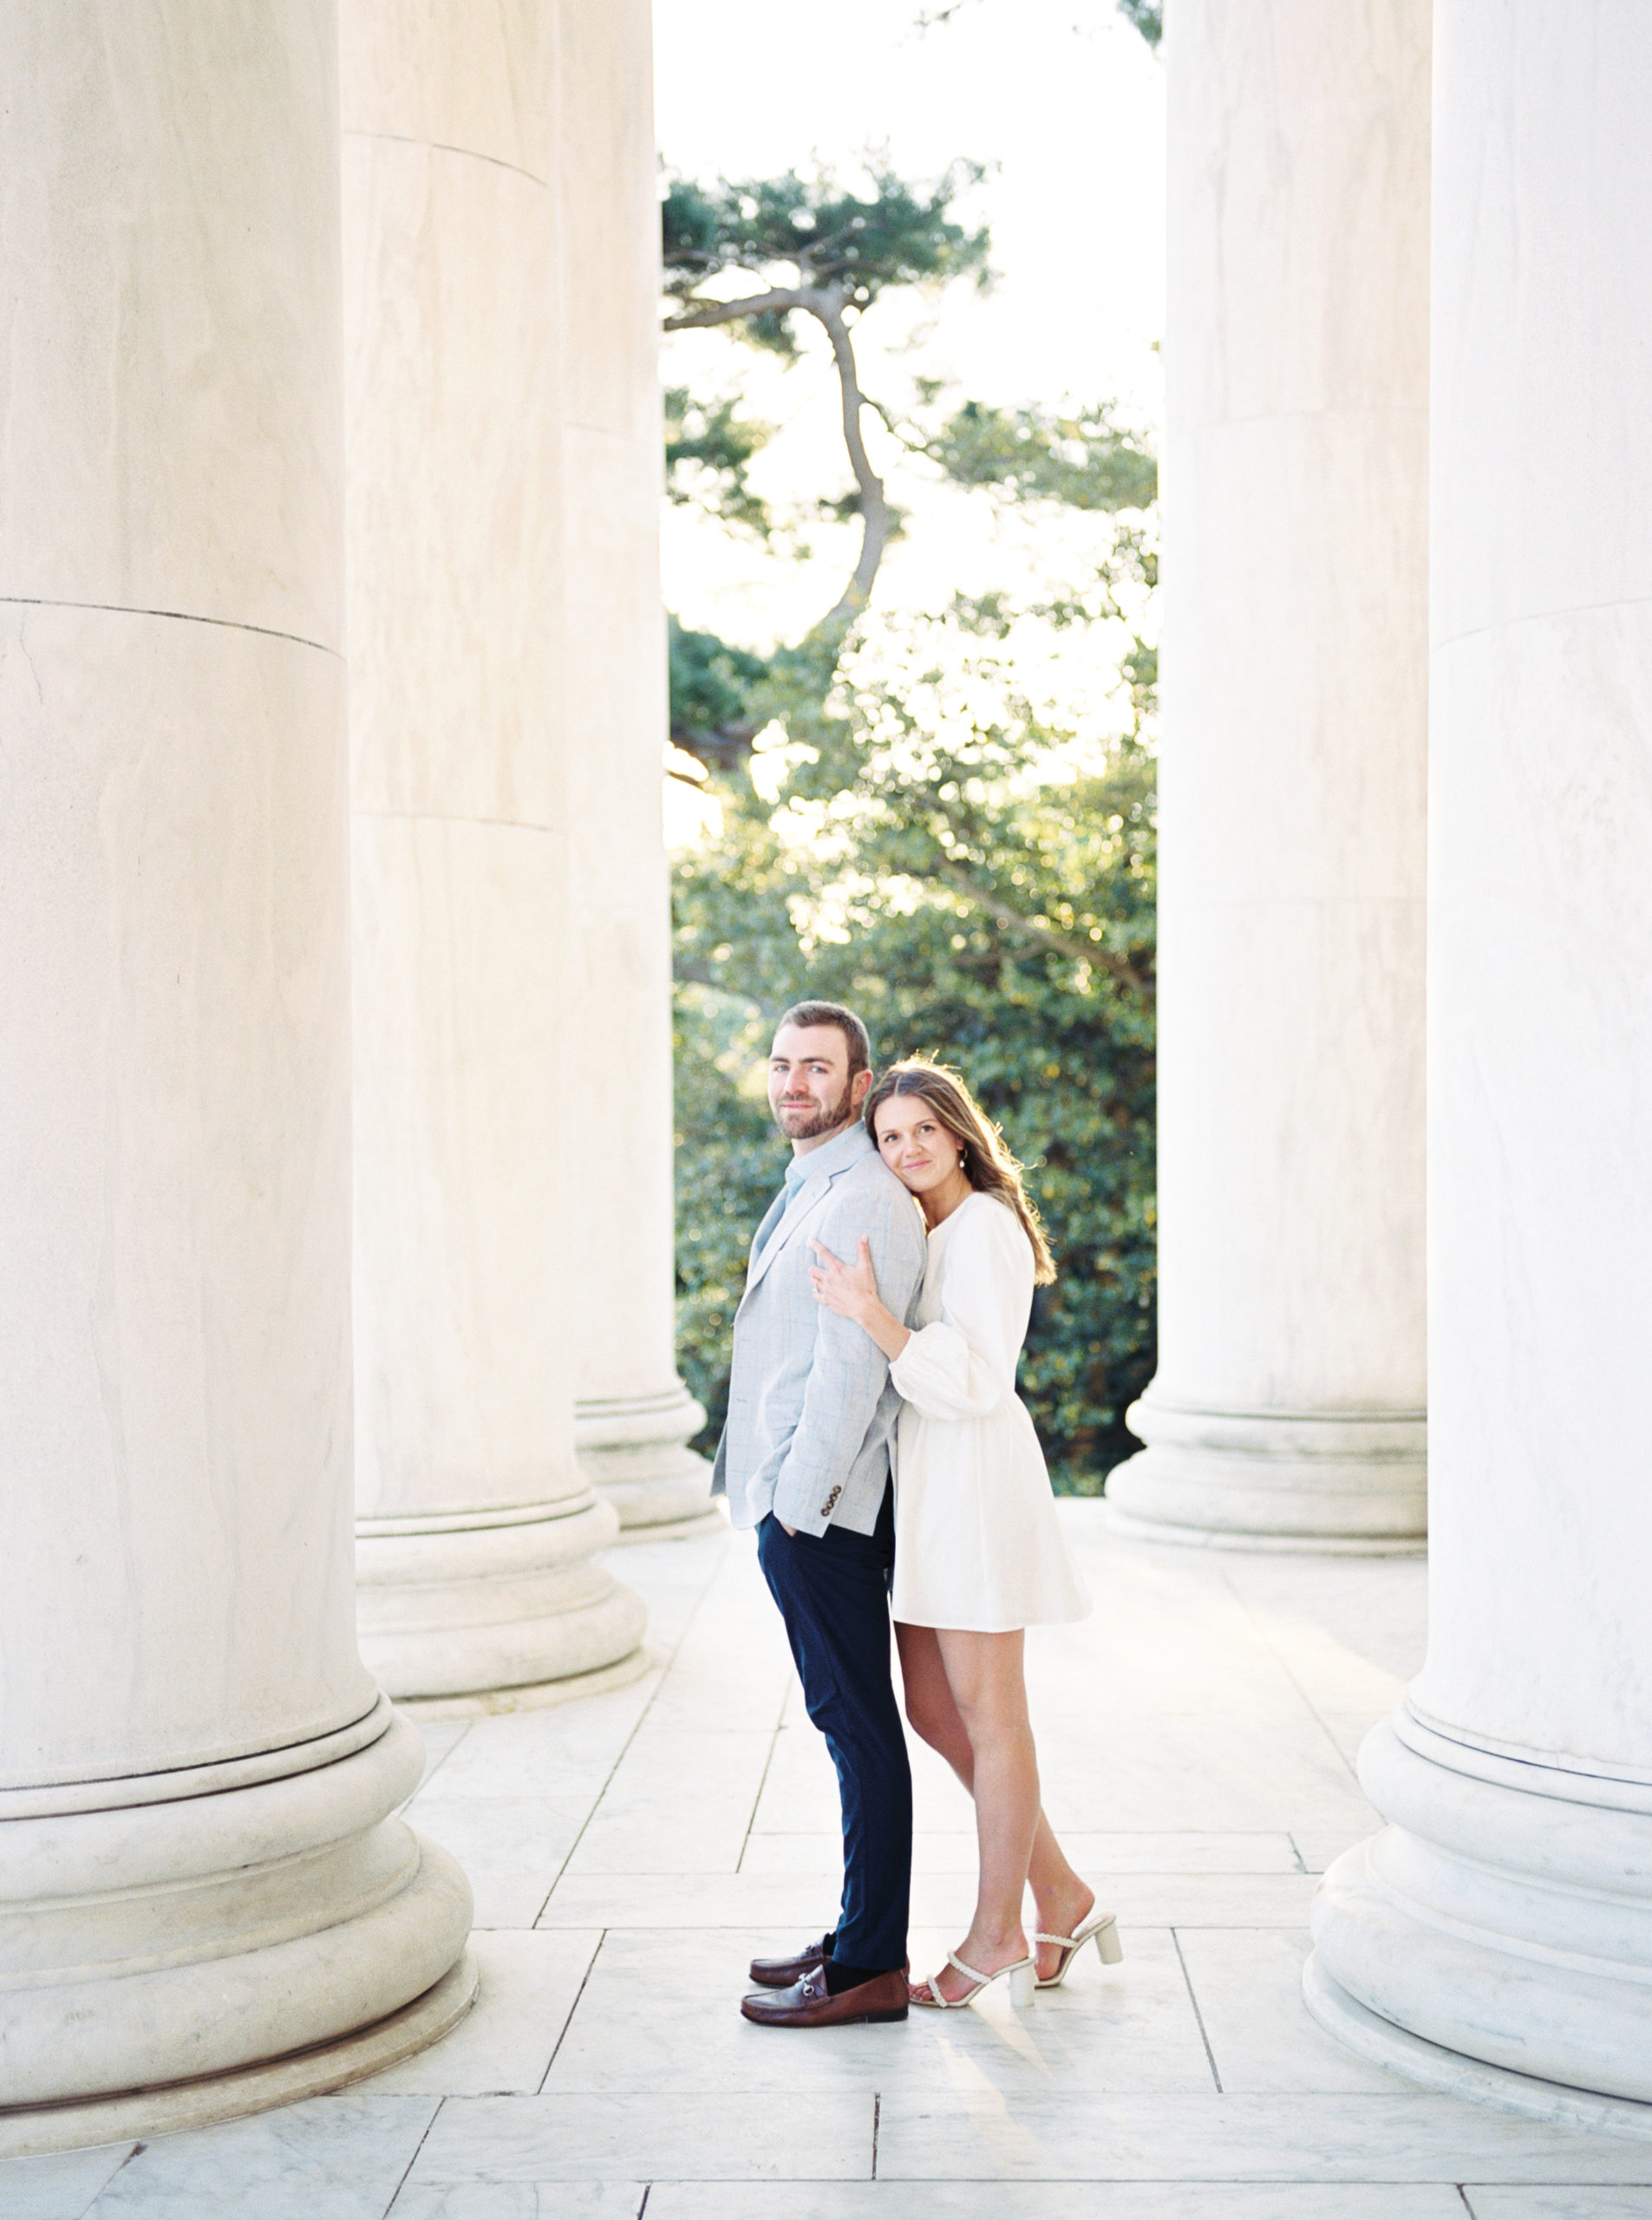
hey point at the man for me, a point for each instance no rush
(805, 1457)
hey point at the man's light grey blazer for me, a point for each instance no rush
(811, 1408)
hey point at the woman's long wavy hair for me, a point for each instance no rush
(987, 1163)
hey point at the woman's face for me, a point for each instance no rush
(914, 1143)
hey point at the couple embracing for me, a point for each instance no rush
(876, 1442)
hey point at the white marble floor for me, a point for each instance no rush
(630, 1852)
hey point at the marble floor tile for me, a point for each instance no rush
(1188, 1852)
(992, 2200)
(941, 1804)
(59, 2187)
(1231, 1775)
(1247, 1984)
(1196, 1736)
(512, 1847)
(661, 2010)
(1091, 1854)
(530, 1982)
(331, 2158)
(661, 2136)
(733, 1668)
(1334, 1672)
(1348, 1729)
(778, 1902)
(817, 1853)
(672, 1577)
(1187, 1900)
(800, 1790)
(568, 1749)
(765, 1902)
(1578, 2203)
(1344, 1628)
(1413, 2138)
(1126, 2027)
(1084, 1671)
(702, 1691)
(677, 1803)
(534, 2201)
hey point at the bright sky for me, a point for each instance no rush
(1066, 102)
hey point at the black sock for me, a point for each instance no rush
(828, 1943)
(840, 1977)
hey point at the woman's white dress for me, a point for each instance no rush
(977, 1544)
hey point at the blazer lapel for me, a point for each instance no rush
(803, 1205)
(767, 1228)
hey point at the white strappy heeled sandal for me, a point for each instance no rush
(1023, 1979)
(1102, 1928)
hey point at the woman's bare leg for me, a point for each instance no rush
(1060, 1898)
(984, 1673)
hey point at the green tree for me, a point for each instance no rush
(902, 826)
(981, 887)
(1147, 16)
(812, 249)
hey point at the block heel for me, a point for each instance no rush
(1102, 1928)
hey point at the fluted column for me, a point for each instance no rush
(1287, 1408)
(200, 1875)
(634, 1416)
(1496, 1937)
(476, 1529)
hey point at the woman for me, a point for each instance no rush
(978, 1551)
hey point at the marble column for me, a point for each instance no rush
(203, 1896)
(1496, 1938)
(476, 1530)
(634, 1415)
(1287, 1408)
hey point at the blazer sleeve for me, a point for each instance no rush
(963, 1364)
(848, 1373)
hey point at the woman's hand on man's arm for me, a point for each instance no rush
(850, 1290)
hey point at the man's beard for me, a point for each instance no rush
(821, 1121)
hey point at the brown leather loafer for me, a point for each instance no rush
(780, 1973)
(809, 2003)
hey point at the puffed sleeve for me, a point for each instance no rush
(963, 1364)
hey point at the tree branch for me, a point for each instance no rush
(688, 971)
(874, 509)
(825, 303)
(775, 303)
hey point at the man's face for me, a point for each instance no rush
(809, 1088)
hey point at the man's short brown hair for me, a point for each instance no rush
(855, 1034)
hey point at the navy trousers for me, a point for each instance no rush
(834, 1595)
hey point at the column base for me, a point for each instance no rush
(535, 1695)
(34, 2132)
(634, 1451)
(1503, 1921)
(168, 1940)
(1342, 1484)
(1451, 2074)
(467, 1602)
